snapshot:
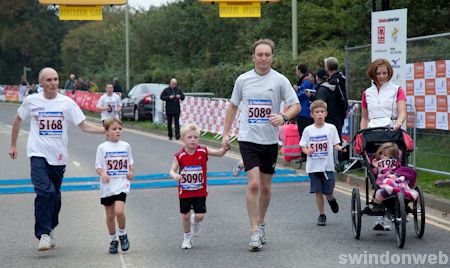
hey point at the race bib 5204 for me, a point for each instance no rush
(50, 124)
(259, 111)
(192, 178)
(116, 163)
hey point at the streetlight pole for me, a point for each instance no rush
(294, 29)
(25, 69)
(127, 50)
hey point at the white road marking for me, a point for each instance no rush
(437, 222)
(122, 261)
(77, 164)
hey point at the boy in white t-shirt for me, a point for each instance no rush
(115, 166)
(109, 104)
(317, 142)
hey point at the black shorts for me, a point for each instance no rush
(263, 156)
(198, 204)
(109, 200)
(319, 183)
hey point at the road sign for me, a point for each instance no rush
(80, 12)
(240, 9)
(83, 2)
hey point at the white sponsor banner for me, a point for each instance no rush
(430, 69)
(389, 30)
(409, 75)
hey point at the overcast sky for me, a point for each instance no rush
(147, 3)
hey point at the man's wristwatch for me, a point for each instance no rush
(285, 118)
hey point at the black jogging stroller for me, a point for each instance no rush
(396, 207)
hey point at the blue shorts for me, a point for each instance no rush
(319, 183)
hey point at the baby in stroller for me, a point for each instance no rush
(391, 179)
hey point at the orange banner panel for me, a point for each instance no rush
(430, 120)
(419, 70)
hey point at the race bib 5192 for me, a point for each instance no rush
(50, 124)
(259, 111)
(192, 178)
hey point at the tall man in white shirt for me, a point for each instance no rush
(109, 104)
(49, 114)
(259, 93)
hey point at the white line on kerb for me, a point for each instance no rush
(76, 163)
(122, 261)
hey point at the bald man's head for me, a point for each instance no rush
(46, 72)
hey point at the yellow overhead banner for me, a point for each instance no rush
(83, 2)
(80, 12)
(239, 9)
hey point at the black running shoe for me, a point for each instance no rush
(124, 243)
(334, 205)
(322, 220)
(113, 247)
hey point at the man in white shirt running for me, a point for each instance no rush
(49, 114)
(109, 104)
(259, 93)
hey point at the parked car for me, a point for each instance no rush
(140, 102)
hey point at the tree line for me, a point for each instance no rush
(188, 40)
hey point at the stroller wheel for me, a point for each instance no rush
(356, 213)
(400, 220)
(419, 213)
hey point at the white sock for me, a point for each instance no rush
(122, 231)
(187, 235)
(113, 237)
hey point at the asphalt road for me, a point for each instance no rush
(154, 224)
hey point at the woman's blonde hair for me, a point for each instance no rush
(189, 127)
(388, 148)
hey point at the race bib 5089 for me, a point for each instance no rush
(259, 111)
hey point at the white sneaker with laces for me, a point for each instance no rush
(255, 241)
(195, 226)
(262, 232)
(237, 169)
(52, 238)
(44, 242)
(187, 243)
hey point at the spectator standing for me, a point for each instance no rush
(303, 94)
(70, 82)
(117, 87)
(172, 95)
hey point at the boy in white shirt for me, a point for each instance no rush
(109, 104)
(115, 166)
(317, 142)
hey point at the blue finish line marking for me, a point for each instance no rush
(155, 184)
(157, 176)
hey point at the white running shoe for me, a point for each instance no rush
(44, 243)
(52, 238)
(237, 169)
(262, 232)
(187, 243)
(255, 241)
(195, 226)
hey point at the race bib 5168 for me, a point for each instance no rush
(259, 111)
(192, 178)
(50, 124)
(116, 163)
